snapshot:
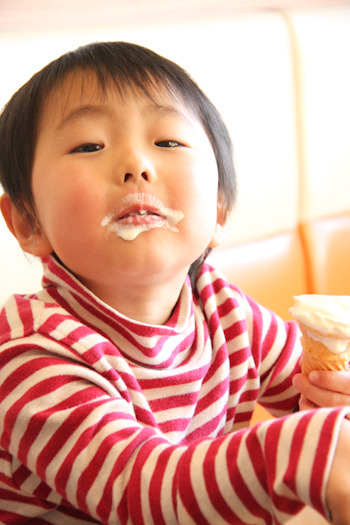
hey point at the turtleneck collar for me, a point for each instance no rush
(166, 346)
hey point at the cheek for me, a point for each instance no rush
(201, 209)
(65, 208)
(201, 191)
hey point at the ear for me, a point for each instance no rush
(30, 237)
(220, 228)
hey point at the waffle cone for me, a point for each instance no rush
(316, 356)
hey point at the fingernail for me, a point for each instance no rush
(296, 381)
(314, 376)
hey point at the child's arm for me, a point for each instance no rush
(66, 427)
(339, 480)
(323, 389)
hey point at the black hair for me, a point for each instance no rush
(129, 67)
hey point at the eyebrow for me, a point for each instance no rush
(161, 108)
(89, 110)
(166, 110)
(81, 112)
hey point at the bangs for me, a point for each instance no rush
(127, 69)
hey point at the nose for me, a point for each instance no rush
(144, 175)
(137, 166)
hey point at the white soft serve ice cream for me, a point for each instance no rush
(327, 316)
(140, 212)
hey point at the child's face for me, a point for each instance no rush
(92, 153)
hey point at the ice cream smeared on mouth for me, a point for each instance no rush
(140, 212)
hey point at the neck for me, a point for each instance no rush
(151, 303)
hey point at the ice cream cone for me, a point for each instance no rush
(324, 322)
(316, 355)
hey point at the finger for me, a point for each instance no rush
(306, 404)
(320, 396)
(336, 381)
(301, 383)
(326, 398)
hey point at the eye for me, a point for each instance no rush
(88, 148)
(168, 144)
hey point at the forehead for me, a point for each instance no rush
(83, 89)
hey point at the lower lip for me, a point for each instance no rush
(141, 220)
(130, 227)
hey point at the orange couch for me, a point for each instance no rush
(290, 233)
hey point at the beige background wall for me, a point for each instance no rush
(242, 54)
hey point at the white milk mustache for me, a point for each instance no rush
(140, 212)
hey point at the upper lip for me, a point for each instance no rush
(137, 210)
(136, 203)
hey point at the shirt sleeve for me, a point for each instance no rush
(276, 348)
(261, 346)
(73, 443)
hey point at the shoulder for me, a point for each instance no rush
(31, 328)
(212, 286)
(17, 317)
(23, 315)
(229, 304)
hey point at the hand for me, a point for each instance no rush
(323, 389)
(338, 487)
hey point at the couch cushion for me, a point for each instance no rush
(327, 246)
(271, 270)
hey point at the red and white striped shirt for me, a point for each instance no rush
(105, 419)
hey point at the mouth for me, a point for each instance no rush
(135, 216)
(140, 212)
(139, 218)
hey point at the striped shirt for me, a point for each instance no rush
(107, 420)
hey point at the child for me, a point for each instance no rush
(126, 392)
